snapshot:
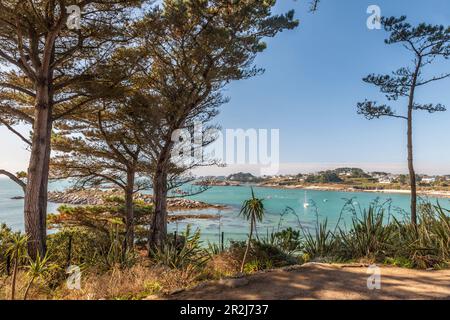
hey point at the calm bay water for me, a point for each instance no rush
(324, 204)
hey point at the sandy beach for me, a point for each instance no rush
(343, 188)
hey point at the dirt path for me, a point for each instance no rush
(324, 281)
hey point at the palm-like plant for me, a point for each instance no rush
(252, 210)
(17, 249)
(37, 269)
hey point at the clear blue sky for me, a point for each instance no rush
(313, 82)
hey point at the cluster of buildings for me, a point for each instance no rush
(336, 175)
(376, 177)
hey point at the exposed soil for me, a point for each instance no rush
(325, 281)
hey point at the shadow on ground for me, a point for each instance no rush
(323, 281)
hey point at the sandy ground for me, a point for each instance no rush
(324, 281)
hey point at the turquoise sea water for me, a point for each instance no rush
(324, 204)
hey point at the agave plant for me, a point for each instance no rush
(252, 210)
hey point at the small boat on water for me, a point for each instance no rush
(305, 203)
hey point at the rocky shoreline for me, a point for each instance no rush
(334, 187)
(95, 197)
(431, 193)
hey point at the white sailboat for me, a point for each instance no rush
(305, 203)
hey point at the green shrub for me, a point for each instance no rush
(5, 236)
(88, 248)
(288, 241)
(76, 246)
(100, 218)
(262, 254)
(185, 252)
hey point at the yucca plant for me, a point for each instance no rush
(252, 210)
(38, 269)
(16, 250)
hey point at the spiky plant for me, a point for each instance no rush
(321, 243)
(184, 253)
(369, 237)
(17, 250)
(38, 269)
(252, 210)
(427, 244)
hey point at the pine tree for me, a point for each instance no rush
(426, 43)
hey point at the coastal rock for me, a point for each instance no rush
(95, 197)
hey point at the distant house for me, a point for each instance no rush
(385, 179)
(428, 180)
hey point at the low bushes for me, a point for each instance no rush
(398, 241)
(109, 271)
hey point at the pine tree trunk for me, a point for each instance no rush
(129, 208)
(158, 231)
(412, 173)
(35, 207)
(43, 196)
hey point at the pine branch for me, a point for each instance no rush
(14, 178)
